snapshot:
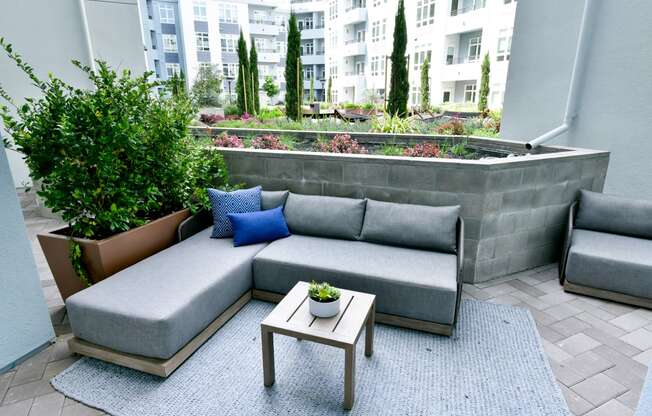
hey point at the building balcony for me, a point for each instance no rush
(319, 85)
(314, 33)
(352, 80)
(268, 56)
(263, 27)
(354, 48)
(459, 70)
(314, 59)
(470, 20)
(356, 15)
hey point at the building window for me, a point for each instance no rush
(375, 31)
(228, 13)
(504, 45)
(309, 73)
(333, 9)
(157, 68)
(377, 3)
(475, 45)
(334, 72)
(170, 43)
(173, 69)
(307, 48)
(378, 66)
(199, 10)
(420, 58)
(446, 97)
(383, 32)
(450, 55)
(425, 12)
(229, 70)
(202, 41)
(470, 93)
(416, 94)
(166, 11)
(359, 68)
(152, 36)
(229, 43)
(335, 96)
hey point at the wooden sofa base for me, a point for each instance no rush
(158, 367)
(382, 318)
(606, 294)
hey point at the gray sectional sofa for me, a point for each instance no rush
(154, 314)
(608, 249)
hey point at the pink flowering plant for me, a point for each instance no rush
(225, 140)
(269, 142)
(341, 143)
(423, 150)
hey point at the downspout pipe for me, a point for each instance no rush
(574, 86)
(87, 34)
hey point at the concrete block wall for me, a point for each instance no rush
(514, 208)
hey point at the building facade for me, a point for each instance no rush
(454, 34)
(311, 22)
(164, 43)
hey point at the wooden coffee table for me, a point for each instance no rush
(291, 317)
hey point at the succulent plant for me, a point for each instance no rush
(323, 292)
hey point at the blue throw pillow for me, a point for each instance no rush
(223, 203)
(258, 227)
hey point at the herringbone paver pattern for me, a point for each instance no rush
(598, 350)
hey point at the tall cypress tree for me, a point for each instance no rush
(253, 65)
(399, 82)
(329, 90)
(312, 98)
(242, 86)
(425, 85)
(293, 71)
(484, 84)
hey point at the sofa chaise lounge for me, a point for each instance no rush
(608, 249)
(153, 315)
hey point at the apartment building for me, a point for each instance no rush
(164, 44)
(454, 34)
(311, 22)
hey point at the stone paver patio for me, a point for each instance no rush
(598, 350)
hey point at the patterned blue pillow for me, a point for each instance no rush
(236, 202)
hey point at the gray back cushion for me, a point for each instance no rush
(273, 199)
(324, 216)
(417, 226)
(614, 214)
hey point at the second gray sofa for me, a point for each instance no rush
(153, 315)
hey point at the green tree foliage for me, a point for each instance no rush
(255, 87)
(176, 85)
(207, 87)
(399, 82)
(425, 85)
(293, 72)
(243, 84)
(312, 97)
(484, 84)
(270, 88)
(329, 91)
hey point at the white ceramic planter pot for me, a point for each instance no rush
(324, 309)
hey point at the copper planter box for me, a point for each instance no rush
(110, 255)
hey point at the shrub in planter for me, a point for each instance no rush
(423, 150)
(324, 299)
(109, 159)
(210, 118)
(341, 143)
(454, 127)
(225, 140)
(269, 142)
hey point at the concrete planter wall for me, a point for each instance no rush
(514, 208)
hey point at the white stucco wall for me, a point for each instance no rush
(24, 320)
(615, 100)
(49, 35)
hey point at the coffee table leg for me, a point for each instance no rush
(349, 377)
(268, 357)
(369, 332)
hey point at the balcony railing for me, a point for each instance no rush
(462, 10)
(351, 41)
(262, 22)
(465, 60)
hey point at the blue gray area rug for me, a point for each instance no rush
(645, 403)
(493, 366)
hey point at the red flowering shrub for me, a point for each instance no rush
(341, 143)
(210, 118)
(454, 127)
(423, 150)
(269, 142)
(224, 140)
(246, 116)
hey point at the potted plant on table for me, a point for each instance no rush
(114, 162)
(324, 299)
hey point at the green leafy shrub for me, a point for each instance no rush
(269, 113)
(323, 292)
(231, 110)
(391, 124)
(392, 150)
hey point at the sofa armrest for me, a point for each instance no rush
(460, 266)
(572, 212)
(196, 223)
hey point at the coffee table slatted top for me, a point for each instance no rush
(292, 317)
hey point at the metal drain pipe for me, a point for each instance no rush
(87, 34)
(573, 89)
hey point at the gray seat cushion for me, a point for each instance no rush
(273, 199)
(418, 226)
(156, 306)
(613, 214)
(411, 283)
(324, 216)
(611, 262)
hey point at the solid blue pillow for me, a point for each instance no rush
(258, 227)
(223, 203)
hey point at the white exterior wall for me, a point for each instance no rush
(50, 34)
(614, 100)
(435, 37)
